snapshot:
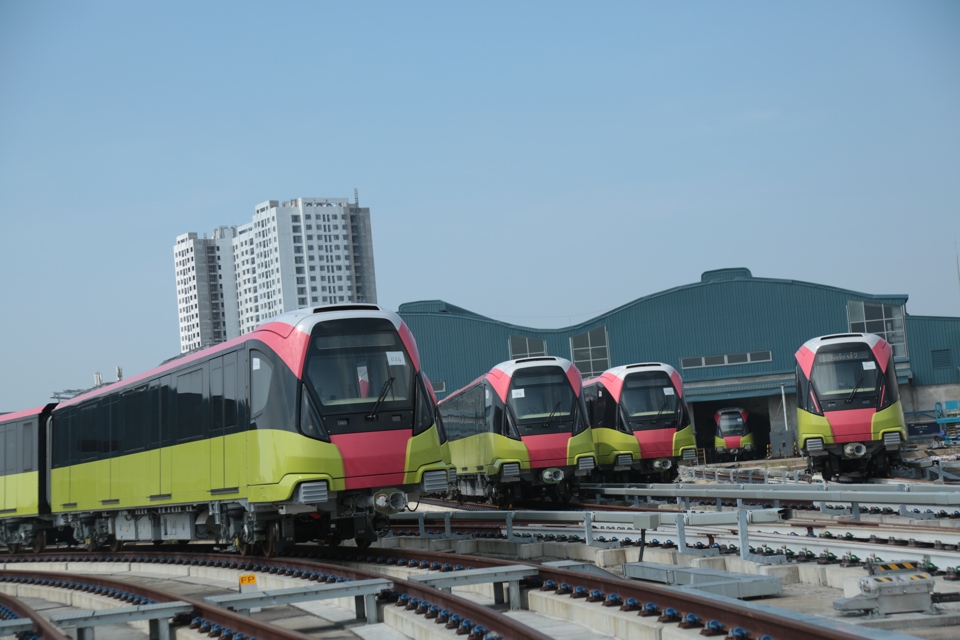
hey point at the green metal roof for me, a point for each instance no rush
(728, 312)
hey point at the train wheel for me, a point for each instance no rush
(363, 543)
(828, 471)
(243, 548)
(39, 542)
(13, 548)
(273, 546)
(115, 545)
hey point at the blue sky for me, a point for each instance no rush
(537, 162)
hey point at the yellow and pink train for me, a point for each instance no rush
(314, 426)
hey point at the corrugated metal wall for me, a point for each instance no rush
(934, 345)
(723, 314)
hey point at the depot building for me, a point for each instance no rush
(731, 336)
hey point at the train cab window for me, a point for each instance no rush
(649, 400)
(261, 370)
(354, 366)
(425, 410)
(273, 393)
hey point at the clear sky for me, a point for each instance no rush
(537, 162)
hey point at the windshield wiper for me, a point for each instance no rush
(383, 394)
(552, 413)
(854, 392)
(660, 413)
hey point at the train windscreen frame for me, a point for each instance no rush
(650, 401)
(846, 377)
(542, 400)
(360, 376)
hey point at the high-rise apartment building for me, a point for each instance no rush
(303, 252)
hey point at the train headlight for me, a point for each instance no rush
(720, 448)
(552, 476)
(747, 447)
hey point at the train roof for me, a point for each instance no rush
(614, 377)
(278, 327)
(881, 348)
(501, 374)
(26, 413)
(626, 369)
(510, 366)
(870, 339)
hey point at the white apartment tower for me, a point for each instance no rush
(205, 308)
(303, 252)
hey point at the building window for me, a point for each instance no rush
(884, 320)
(726, 359)
(439, 386)
(589, 352)
(524, 347)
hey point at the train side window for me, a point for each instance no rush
(133, 420)
(478, 422)
(216, 397)
(11, 449)
(189, 411)
(3, 447)
(27, 448)
(88, 435)
(168, 415)
(113, 431)
(61, 438)
(231, 394)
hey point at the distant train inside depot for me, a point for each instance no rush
(315, 426)
(641, 424)
(520, 431)
(733, 438)
(849, 415)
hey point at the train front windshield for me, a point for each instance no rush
(649, 400)
(359, 366)
(542, 400)
(731, 424)
(846, 379)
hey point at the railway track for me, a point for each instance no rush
(624, 599)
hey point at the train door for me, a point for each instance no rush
(216, 425)
(7, 435)
(110, 430)
(226, 444)
(167, 437)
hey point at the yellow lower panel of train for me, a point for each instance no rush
(684, 439)
(19, 494)
(200, 471)
(484, 453)
(609, 443)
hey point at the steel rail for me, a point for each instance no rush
(41, 626)
(224, 617)
(489, 618)
(757, 620)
